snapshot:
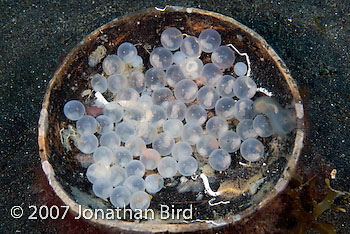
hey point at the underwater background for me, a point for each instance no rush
(312, 37)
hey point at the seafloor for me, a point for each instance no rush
(312, 37)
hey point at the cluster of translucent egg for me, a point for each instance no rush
(152, 126)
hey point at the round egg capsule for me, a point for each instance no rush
(190, 47)
(146, 101)
(114, 111)
(116, 82)
(230, 141)
(176, 110)
(136, 145)
(207, 97)
(178, 57)
(87, 144)
(158, 116)
(137, 81)
(216, 126)
(137, 62)
(243, 109)
(74, 110)
(171, 38)
(134, 183)
(155, 78)
(163, 143)
(102, 188)
(135, 167)
(167, 167)
(128, 97)
(173, 75)
(224, 108)
(86, 125)
(110, 140)
(219, 160)
(154, 183)
(245, 129)
(252, 150)
(225, 86)
(123, 156)
(113, 64)
(187, 166)
(181, 150)
(140, 201)
(98, 171)
(192, 68)
(150, 158)
(99, 83)
(120, 197)
(161, 58)
(191, 133)
(173, 127)
(240, 69)
(262, 126)
(209, 40)
(244, 87)
(147, 132)
(186, 91)
(223, 57)
(196, 114)
(127, 52)
(125, 130)
(134, 114)
(105, 124)
(118, 175)
(162, 96)
(104, 155)
(206, 145)
(210, 74)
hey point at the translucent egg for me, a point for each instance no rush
(134, 183)
(86, 125)
(209, 40)
(137, 62)
(223, 57)
(146, 101)
(118, 175)
(105, 124)
(135, 167)
(240, 69)
(192, 133)
(128, 97)
(210, 74)
(74, 110)
(196, 114)
(186, 91)
(219, 160)
(187, 166)
(225, 86)
(262, 126)
(244, 109)
(252, 150)
(137, 81)
(154, 183)
(127, 52)
(136, 145)
(140, 201)
(167, 167)
(150, 158)
(102, 188)
(163, 143)
(178, 57)
(158, 116)
(147, 132)
(192, 68)
(123, 156)
(190, 47)
(98, 171)
(216, 126)
(155, 78)
(206, 145)
(125, 130)
(244, 87)
(114, 111)
(174, 74)
(245, 129)
(176, 110)
(116, 82)
(207, 97)
(171, 38)
(104, 155)
(113, 64)
(224, 108)
(181, 150)
(173, 127)
(230, 141)
(162, 96)
(99, 83)
(161, 58)
(134, 114)
(120, 197)
(87, 144)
